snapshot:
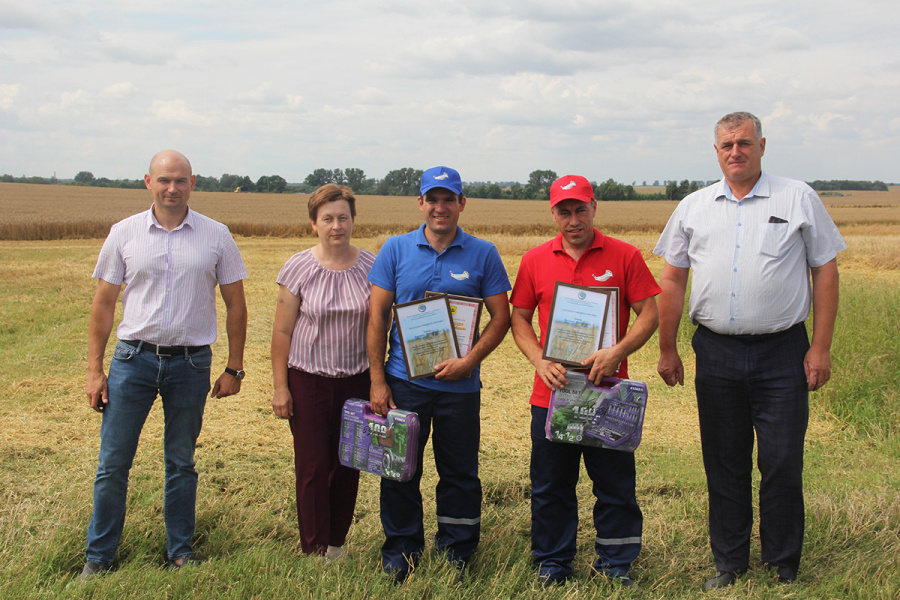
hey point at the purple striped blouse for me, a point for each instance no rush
(329, 337)
(170, 277)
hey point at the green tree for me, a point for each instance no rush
(84, 177)
(401, 182)
(271, 184)
(672, 191)
(338, 177)
(234, 183)
(206, 184)
(319, 177)
(541, 181)
(355, 179)
(229, 182)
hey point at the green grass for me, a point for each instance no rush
(246, 523)
(866, 390)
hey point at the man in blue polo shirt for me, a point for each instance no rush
(439, 257)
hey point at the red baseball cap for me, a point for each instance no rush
(571, 187)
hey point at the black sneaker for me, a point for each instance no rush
(626, 582)
(722, 579)
(397, 576)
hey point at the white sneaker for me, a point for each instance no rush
(334, 553)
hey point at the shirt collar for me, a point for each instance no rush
(421, 240)
(597, 244)
(760, 189)
(189, 220)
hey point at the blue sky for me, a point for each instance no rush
(625, 90)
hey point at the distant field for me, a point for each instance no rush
(42, 212)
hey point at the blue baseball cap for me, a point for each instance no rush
(442, 177)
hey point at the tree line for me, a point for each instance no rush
(405, 182)
(840, 185)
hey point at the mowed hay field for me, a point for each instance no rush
(246, 527)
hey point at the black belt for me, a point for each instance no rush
(164, 350)
(756, 337)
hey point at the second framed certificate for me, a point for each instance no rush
(577, 324)
(427, 334)
(466, 313)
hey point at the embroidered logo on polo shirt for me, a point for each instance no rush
(459, 276)
(603, 277)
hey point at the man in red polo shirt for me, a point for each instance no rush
(581, 255)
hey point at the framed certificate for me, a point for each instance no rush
(427, 334)
(611, 333)
(577, 324)
(466, 314)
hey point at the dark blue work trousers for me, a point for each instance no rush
(747, 384)
(554, 505)
(454, 420)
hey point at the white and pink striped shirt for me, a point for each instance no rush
(329, 337)
(170, 277)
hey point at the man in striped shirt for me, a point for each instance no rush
(754, 241)
(170, 259)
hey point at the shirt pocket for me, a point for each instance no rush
(773, 241)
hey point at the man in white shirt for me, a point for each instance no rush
(171, 259)
(754, 242)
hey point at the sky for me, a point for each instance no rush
(627, 90)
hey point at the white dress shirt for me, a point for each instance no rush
(751, 257)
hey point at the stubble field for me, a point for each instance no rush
(246, 529)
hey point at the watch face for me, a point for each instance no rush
(240, 375)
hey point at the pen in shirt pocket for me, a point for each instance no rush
(774, 219)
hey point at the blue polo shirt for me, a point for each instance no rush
(408, 266)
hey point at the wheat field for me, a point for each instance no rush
(246, 531)
(44, 212)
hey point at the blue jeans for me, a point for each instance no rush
(135, 378)
(456, 421)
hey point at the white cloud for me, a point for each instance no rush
(177, 112)
(8, 94)
(617, 89)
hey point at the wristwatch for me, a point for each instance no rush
(239, 374)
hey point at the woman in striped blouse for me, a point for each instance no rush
(319, 360)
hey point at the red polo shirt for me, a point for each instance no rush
(608, 262)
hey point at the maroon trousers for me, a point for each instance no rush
(326, 490)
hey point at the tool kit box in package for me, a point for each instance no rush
(385, 446)
(610, 415)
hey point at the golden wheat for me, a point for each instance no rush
(45, 212)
